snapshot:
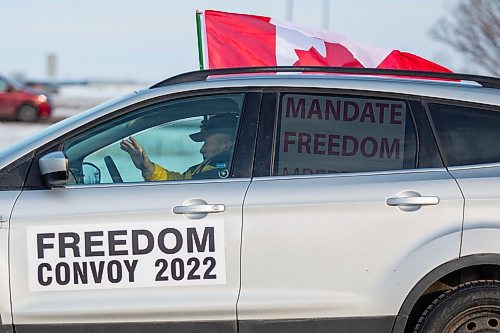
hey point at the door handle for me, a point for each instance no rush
(197, 208)
(411, 201)
(193, 209)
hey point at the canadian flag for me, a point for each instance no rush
(240, 40)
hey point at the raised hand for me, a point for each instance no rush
(138, 155)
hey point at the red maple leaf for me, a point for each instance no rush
(336, 55)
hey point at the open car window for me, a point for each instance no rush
(172, 134)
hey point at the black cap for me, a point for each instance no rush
(222, 123)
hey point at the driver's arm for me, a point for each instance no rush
(159, 173)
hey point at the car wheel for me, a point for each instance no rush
(27, 113)
(471, 307)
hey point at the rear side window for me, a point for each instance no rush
(321, 134)
(466, 135)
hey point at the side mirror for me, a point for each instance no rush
(54, 168)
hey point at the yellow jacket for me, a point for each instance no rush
(216, 167)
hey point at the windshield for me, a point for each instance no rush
(16, 84)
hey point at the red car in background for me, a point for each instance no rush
(22, 103)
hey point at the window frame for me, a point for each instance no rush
(242, 160)
(266, 152)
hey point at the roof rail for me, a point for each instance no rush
(202, 75)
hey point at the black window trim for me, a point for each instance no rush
(264, 154)
(422, 127)
(12, 171)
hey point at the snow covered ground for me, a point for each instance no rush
(76, 98)
(11, 132)
(69, 101)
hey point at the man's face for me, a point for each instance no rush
(215, 144)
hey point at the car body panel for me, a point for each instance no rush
(7, 201)
(354, 252)
(148, 206)
(481, 188)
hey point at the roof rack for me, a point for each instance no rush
(202, 75)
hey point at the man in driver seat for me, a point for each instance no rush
(218, 135)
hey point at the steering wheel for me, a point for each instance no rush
(113, 170)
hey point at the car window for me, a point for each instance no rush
(185, 139)
(5, 82)
(322, 134)
(466, 135)
(3, 85)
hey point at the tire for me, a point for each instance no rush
(27, 113)
(471, 307)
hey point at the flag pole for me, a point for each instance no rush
(198, 32)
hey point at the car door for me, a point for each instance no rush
(352, 210)
(468, 135)
(112, 252)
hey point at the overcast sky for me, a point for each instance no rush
(149, 40)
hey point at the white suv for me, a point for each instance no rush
(340, 202)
